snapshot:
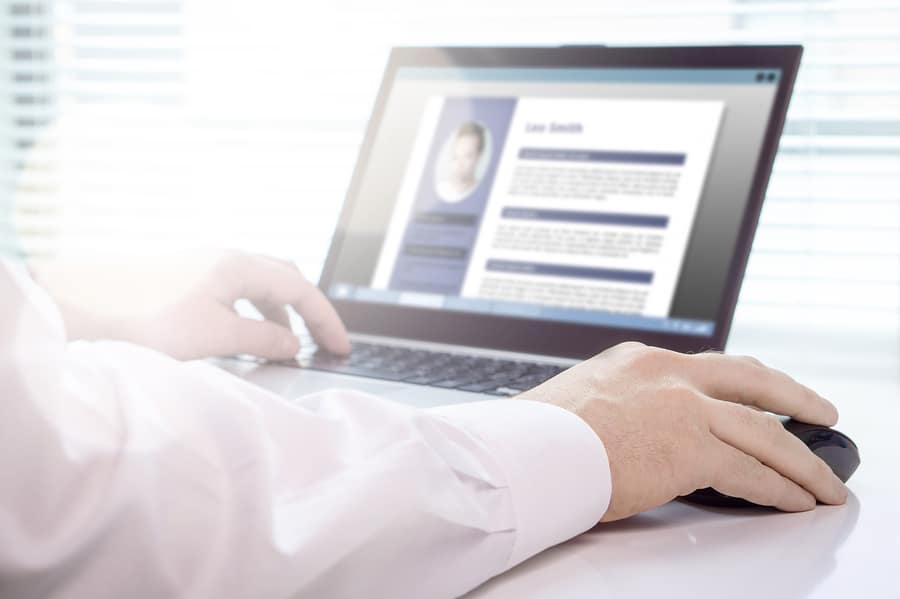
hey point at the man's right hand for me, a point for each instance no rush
(673, 423)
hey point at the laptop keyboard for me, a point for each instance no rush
(433, 368)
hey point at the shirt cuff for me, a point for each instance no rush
(556, 467)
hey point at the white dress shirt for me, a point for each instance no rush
(124, 473)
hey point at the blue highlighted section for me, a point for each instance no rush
(656, 158)
(563, 270)
(586, 218)
(678, 326)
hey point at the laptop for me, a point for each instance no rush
(516, 210)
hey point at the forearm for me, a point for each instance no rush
(342, 496)
(199, 484)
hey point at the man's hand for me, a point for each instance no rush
(185, 306)
(674, 423)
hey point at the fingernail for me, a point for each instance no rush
(841, 492)
(341, 347)
(830, 409)
(810, 503)
(805, 501)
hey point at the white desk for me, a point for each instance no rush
(681, 550)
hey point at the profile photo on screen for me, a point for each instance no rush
(462, 163)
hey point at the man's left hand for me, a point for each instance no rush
(185, 306)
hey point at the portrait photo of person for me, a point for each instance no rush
(462, 162)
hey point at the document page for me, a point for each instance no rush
(573, 203)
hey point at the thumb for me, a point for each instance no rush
(263, 339)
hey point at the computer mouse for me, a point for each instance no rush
(834, 447)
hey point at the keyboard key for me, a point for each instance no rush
(478, 387)
(423, 379)
(504, 391)
(376, 374)
(454, 383)
(440, 369)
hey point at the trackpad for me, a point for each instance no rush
(296, 382)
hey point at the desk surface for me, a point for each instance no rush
(681, 550)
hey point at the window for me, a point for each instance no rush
(146, 125)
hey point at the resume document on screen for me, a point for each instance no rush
(572, 203)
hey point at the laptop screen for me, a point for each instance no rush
(599, 196)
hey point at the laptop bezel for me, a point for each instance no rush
(554, 338)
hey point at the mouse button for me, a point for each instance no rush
(817, 437)
(798, 428)
(848, 442)
(830, 438)
(843, 462)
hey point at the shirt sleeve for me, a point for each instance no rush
(126, 473)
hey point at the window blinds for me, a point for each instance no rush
(142, 126)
